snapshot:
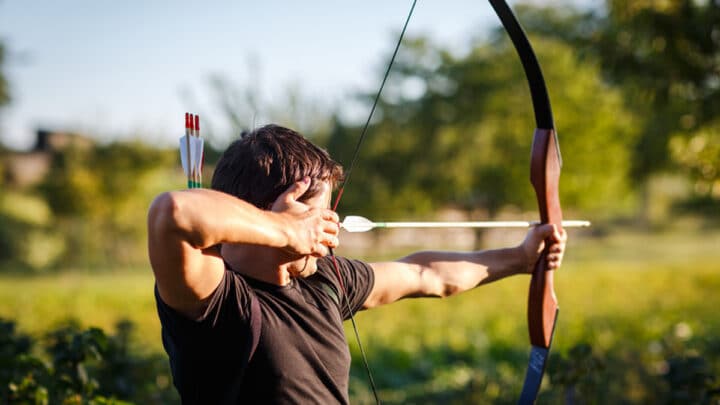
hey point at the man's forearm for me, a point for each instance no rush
(205, 218)
(449, 273)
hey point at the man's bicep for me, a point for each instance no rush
(395, 281)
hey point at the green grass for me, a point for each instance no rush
(38, 303)
(626, 291)
(622, 294)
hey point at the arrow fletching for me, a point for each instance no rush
(355, 223)
(192, 151)
(197, 146)
(184, 142)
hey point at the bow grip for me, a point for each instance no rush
(545, 168)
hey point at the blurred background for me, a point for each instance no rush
(92, 96)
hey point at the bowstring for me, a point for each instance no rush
(344, 183)
(356, 152)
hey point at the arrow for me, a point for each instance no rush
(355, 223)
(186, 150)
(192, 151)
(198, 153)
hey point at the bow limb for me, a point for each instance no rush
(545, 167)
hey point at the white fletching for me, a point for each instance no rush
(355, 223)
(196, 146)
(184, 154)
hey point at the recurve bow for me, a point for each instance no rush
(545, 164)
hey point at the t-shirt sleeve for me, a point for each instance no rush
(230, 302)
(358, 279)
(195, 346)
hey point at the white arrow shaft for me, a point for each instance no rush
(475, 224)
(361, 224)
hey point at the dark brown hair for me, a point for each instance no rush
(263, 163)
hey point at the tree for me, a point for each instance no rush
(456, 130)
(97, 194)
(665, 56)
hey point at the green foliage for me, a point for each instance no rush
(630, 304)
(579, 372)
(582, 373)
(663, 56)
(90, 209)
(89, 367)
(98, 196)
(698, 154)
(638, 323)
(110, 175)
(671, 371)
(457, 131)
(27, 239)
(83, 366)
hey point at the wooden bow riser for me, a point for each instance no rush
(545, 176)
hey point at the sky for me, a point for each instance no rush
(133, 68)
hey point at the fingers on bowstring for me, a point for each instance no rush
(333, 218)
(323, 247)
(332, 242)
(331, 231)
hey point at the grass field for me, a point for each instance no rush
(623, 292)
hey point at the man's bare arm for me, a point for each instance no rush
(184, 227)
(441, 274)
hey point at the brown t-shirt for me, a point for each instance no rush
(301, 356)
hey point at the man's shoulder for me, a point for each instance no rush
(353, 279)
(346, 268)
(327, 263)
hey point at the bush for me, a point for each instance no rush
(79, 366)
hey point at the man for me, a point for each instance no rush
(250, 304)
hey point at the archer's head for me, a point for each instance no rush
(263, 163)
